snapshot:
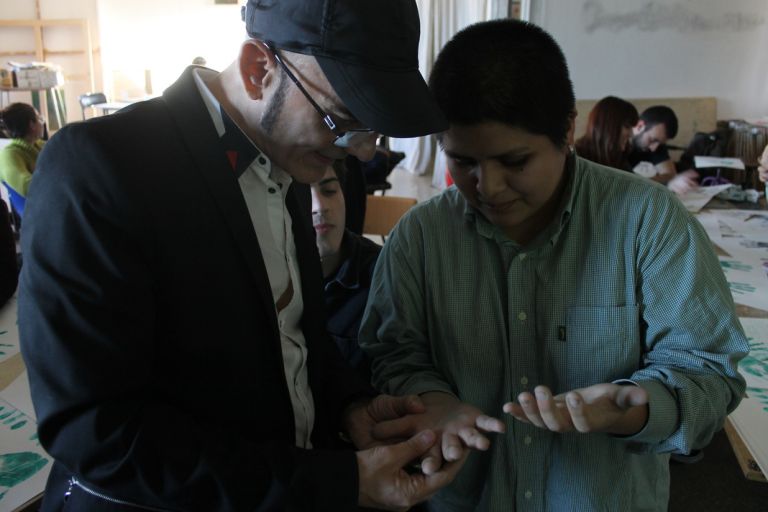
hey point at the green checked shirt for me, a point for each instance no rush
(622, 285)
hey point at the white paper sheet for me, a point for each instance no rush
(748, 279)
(702, 162)
(24, 465)
(17, 394)
(9, 330)
(751, 416)
(695, 199)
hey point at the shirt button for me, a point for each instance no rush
(522, 316)
(272, 190)
(528, 495)
(522, 256)
(524, 381)
(262, 160)
(527, 440)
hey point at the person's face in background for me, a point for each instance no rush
(328, 213)
(649, 138)
(512, 176)
(36, 127)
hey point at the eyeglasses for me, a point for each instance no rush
(344, 138)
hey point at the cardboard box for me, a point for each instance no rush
(32, 82)
(38, 77)
(6, 77)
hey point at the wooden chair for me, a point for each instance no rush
(383, 212)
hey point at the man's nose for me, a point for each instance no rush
(364, 149)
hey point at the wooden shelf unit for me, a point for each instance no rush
(41, 53)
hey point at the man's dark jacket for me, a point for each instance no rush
(149, 329)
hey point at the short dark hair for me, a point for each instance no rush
(15, 118)
(508, 71)
(660, 114)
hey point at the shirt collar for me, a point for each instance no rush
(246, 154)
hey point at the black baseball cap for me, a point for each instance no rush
(368, 50)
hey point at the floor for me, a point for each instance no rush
(406, 184)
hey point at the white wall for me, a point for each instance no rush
(163, 37)
(665, 48)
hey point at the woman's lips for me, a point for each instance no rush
(498, 207)
(323, 228)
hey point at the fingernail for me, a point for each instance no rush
(573, 401)
(540, 394)
(427, 436)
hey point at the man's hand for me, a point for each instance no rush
(360, 418)
(459, 427)
(612, 408)
(683, 182)
(384, 484)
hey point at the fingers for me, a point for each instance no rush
(553, 413)
(383, 483)
(516, 411)
(452, 448)
(413, 448)
(400, 428)
(427, 485)
(490, 424)
(542, 410)
(578, 412)
(433, 461)
(386, 407)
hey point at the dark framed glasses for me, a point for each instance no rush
(344, 138)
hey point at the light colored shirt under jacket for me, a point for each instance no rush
(622, 285)
(265, 186)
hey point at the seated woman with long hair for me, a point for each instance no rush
(608, 133)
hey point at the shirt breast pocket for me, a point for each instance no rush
(603, 344)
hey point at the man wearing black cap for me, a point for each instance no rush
(171, 286)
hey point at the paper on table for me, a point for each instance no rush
(748, 280)
(695, 199)
(710, 223)
(751, 416)
(24, 465)
(9, 330)
(17, 394)
(701, 162)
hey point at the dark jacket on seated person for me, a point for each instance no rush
(345, 295)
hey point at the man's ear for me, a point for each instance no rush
(256, 66)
